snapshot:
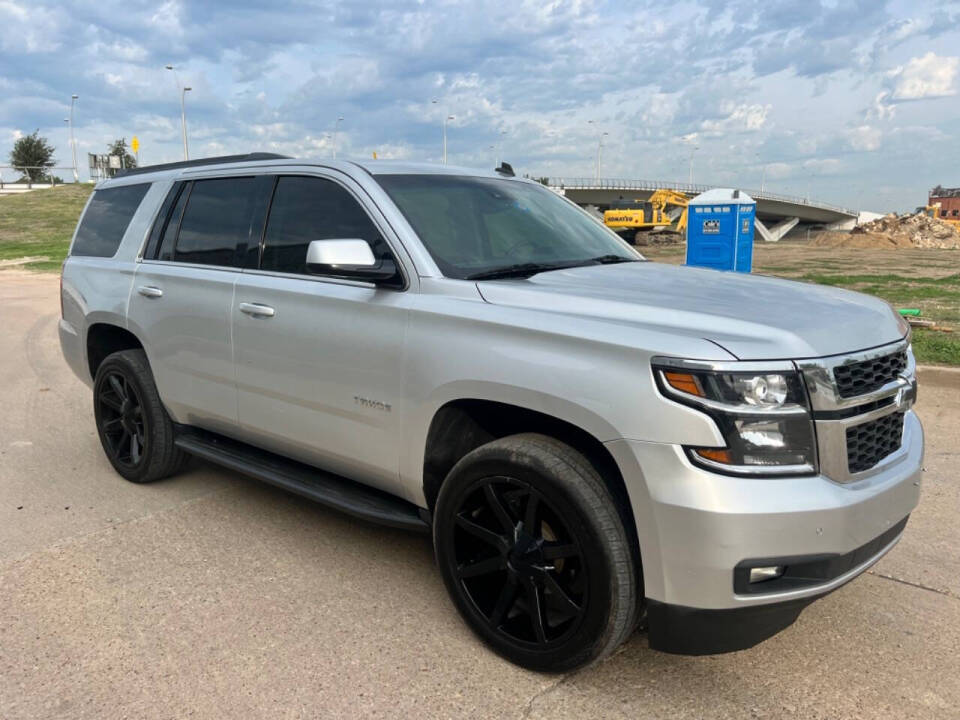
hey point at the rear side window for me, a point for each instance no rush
(306, 209)
(106, 220)
(216, 221)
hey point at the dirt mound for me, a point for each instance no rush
(895, 232)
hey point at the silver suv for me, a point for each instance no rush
(594, 441)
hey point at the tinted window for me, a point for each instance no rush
(306, 209)
(106, 220)
(216, 221)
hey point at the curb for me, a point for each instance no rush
(937, 375)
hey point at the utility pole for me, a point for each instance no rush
(183, 110)
(73, 143)
(690, 176)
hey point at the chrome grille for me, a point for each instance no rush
(866, 376)
(858, 402)
(870, 442)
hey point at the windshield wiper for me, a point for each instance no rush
(528, 269)
(611, 259)
(519, 270)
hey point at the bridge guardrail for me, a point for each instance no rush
(576, 183)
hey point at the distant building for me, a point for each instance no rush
(949, 199)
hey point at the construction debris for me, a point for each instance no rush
(896, 232)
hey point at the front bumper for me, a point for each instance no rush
(694, 527)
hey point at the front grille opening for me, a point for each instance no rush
(871, 442)
(869, 375)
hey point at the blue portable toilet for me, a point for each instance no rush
(720, 230)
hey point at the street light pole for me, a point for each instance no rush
(336, 127)
(73, 143)
(183, 121)
(446, 117)
(183, 111)
(599, 149)
(690, 176)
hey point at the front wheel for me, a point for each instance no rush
(534, 554)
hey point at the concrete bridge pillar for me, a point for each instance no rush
(775, 233)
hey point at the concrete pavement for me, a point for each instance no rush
(210, 595)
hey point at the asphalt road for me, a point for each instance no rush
(210, 595)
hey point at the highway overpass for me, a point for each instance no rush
(778, 214)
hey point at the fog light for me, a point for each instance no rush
(762, 574)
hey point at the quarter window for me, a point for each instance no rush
(106, 219)
(216, 221)
(309, 208)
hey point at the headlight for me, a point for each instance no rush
(763, 417)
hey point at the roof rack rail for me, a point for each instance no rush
(223, 159)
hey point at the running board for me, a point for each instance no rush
(337, 492)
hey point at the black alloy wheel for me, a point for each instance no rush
(534, 553)
(121, 420)
(519, 562)
(135, 430)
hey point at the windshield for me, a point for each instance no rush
(476, 226)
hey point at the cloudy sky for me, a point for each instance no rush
(850, 101)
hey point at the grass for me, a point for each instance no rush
(41, 223)
(934, 348)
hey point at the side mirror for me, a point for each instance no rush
(348, 258)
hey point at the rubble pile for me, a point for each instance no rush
(918, 230)
(896, 232)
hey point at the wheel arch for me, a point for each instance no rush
(106, 338)
(463, 424)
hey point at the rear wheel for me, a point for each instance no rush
(534, 554)
(134, 428)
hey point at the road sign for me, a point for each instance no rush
(114, 162)
(135, 144)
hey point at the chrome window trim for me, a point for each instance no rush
(198, 266)
(321, 278)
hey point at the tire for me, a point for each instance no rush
(135, 431)
(552, 599)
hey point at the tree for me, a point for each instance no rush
(119, 147)
(31, 154)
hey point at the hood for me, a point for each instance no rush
(751, 316)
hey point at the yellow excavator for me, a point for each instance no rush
(936, 211)
(635, 219)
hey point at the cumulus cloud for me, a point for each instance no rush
(928, 76)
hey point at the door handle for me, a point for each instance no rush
(150, 291)
(257, 310)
